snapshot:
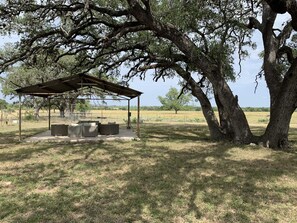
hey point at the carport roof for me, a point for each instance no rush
(74, 83)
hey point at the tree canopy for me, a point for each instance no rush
(174, 100)
(194, 40)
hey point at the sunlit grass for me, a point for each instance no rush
(120, 116)
(173, 174)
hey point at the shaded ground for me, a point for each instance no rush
(174, 174)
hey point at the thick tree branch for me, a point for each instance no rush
(285, 50)
(285, 33)
(255, 24)
(170, 32)
(283, 6)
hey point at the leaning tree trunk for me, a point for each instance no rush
(232, 111)
(210, 70)
(215, 130)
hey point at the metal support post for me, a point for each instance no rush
(129, 116)
(138, 116)
(20, 117)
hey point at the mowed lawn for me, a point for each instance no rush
(173, 174)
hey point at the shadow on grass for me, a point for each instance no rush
(12, 137)
(148, 182)
(175, 132)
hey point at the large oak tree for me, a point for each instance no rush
(195, 40)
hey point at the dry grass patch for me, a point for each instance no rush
(174, 174)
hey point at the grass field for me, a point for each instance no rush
(256, 119)
(173, 174)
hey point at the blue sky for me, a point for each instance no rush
(243, 87)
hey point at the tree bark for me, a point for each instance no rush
(276, 134)
(282, 89)
(225, 123)
(37, 106)
(215, 130)
(62, 112)
(283, 6)
(271, 74)
(232, 111)
(36, 112)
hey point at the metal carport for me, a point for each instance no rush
(59, 86)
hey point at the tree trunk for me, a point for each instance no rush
(283, 90)
(62, 112)
(272, 75)
(210, 69)
(36, 112)
(276, 134)
(214, 127)
(215, 130)
(225, 123)
(37, 106)
(71, 103)
(61, 105)
(233, 113)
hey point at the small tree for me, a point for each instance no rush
(83, 105)
(174, 100)
(3, 104)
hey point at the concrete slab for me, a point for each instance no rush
(124, 134)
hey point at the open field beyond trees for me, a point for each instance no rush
(173, 174)
(120, 116)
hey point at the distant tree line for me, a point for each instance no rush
(14, 106)
(161, 108)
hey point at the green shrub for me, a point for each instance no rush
(29, 116)
(134, 120)
(159, 119)
(263, 120)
